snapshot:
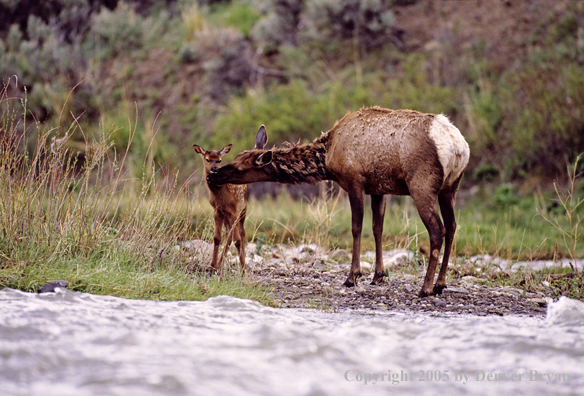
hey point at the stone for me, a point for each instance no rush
(469, 278)
(439, 303)
(340, 256)
(542, 302)
(408, 278)
(396, 260)
(50, 287)
(365, 266)
(455, 290)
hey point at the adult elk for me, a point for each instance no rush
(229, 202)
(373, 151)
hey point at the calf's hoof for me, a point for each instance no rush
(423, 293)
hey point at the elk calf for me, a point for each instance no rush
(374, 151)
(229, 202)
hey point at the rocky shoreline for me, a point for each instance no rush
(322, 288)
(309, 277)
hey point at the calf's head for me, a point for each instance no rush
(211, 158)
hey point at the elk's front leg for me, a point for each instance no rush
(378, 208)
(357, 201)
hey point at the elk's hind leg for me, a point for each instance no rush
(446, 200)
(378, 208)
(426, 204)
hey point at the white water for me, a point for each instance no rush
(69, 343)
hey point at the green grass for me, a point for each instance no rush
(88, 221)
(514, 232)
(109, 225)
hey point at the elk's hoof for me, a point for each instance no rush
(378, 278)
(423, 293)
(438, 289)
(352, 280)
(349, 283)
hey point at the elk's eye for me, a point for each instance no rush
(206, 159)
(219, 161)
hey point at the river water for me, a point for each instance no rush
(70, 343)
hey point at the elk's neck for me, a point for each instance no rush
(303, 163)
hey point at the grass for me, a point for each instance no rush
(89, 220)
(84, 219)
(515, 232)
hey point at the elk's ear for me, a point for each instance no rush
(261, 138)
(199, 149)
(264, 158)
(225, 150)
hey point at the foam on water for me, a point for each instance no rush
(70, 343)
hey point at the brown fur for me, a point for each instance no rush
(373, 151)
(229, 203)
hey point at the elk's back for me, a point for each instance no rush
(385, 149)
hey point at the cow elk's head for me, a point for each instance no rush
(248, 166)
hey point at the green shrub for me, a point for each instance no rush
(237, 14)
(365, 20)
(280, 24)
(123, 31)
(505, 196)
(486, 172)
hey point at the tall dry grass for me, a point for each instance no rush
(80, 216)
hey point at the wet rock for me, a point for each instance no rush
(542, 302)
(50, 287)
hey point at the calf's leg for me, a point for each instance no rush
(217, 241)
(229, 230)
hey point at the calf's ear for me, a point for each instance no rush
(225, 150)
(199, 149)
